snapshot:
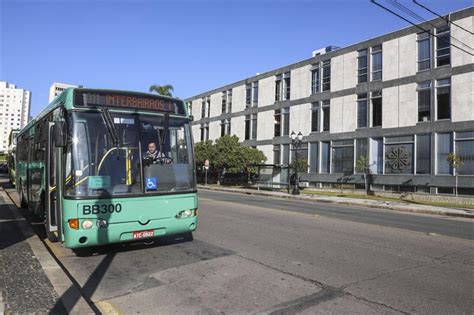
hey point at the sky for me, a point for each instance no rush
(195, 46)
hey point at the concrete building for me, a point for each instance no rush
(14, 111)
(57, 88)
(404, 100)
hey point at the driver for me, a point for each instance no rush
(152, 156)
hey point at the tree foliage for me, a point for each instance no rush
(302, 165)
(455, 161)
(204, 150)
(164, 90)
(362, 164)
(227, 155)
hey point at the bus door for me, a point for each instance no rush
(51, 215)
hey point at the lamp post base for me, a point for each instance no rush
(296, 191)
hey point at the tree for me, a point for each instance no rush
(204, 150)
(252, 157)
(363, 166)
(456, 163)
(302, 165)
(164, 90)
(226, 155)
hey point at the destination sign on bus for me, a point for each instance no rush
(94, 98)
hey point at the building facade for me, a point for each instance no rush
(404, 100)
(57, 88)
(14, 111)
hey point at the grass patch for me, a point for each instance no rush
(379, 198)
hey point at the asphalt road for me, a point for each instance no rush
(257, 254)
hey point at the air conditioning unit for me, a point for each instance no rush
(304, 184)
(324, 50)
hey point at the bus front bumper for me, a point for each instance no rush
(127, 231)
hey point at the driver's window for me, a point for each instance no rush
(155, 141)
(178, 145)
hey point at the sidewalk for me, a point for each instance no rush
(31, 281)
(380, 204)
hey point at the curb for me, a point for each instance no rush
(68, 293)
(402, 208)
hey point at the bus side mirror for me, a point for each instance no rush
(191, 118)
(60, 134)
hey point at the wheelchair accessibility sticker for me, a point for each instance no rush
(150, 183)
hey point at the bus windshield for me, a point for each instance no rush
(128, 154)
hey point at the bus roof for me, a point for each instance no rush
(66, 99)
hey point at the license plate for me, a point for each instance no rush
(143, 234)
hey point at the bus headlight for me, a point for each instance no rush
(87, 224)
(184, 214)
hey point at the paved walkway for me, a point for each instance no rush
(381, 204)
(24, 286)
(31, 280)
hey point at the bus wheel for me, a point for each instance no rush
(52, 236)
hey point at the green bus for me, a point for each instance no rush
(84, 166)
(11, 156)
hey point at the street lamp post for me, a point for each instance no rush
(296, 141)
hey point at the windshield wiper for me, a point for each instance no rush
(166, 126)
(109, 123)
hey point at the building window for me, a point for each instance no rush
(325, 158)
(278, 88)
(443, 98)
(255, 93)
(376, 156)
(247, 127)
(313, 157)
(222, 128)
(248, 95)
(424, 51)
(277, 123)
(315, 117)
(376, 108)
(203, 108)
(204, 132)
(361, 148)
(377, 63)
(464, 145)
(325, 110)
(423, 154)
(444, 146)
(285, 116)
(399, 155)
(326, 75)
(254, 126)
(343, 156)
(229, 101)
(424, 101)
(224, 102)
(302, 154)
(225, 127)
(315, 79)
(276, 154)
(287, 85)
(286, 154)
(362, 110)
(362, 66)
(443, 46)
